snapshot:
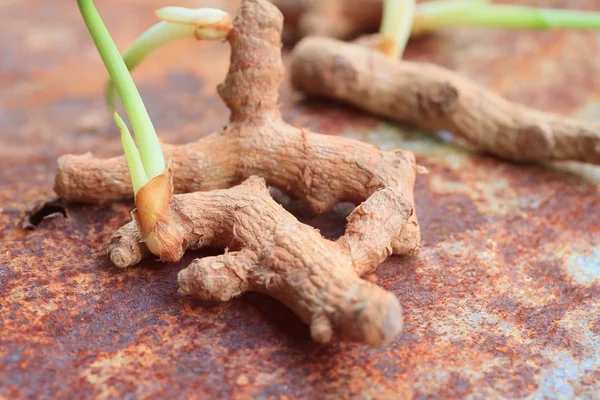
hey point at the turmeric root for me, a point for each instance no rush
(435, 98)
(271, 252)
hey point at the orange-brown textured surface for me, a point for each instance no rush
(503, 299)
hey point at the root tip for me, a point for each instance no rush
(321, 330)
(121, 258)
(392, 323)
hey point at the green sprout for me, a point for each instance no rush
(134, 161)
(149, 161)
(177, 23)
(401, 16)
(479, 13)
(150, 40)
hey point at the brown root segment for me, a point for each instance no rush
(251, 87)
(320, 170)
(435, 98)
(271, 252)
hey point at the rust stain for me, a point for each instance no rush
(503, 300)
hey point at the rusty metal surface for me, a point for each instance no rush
(503, 300)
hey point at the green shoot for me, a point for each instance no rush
(438, 14)
(134, 161)
(178, 23)
(149, 146)
(155, 37)
(396, 23)
(400, 17)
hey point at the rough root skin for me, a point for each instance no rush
(271, 251)
(435, 98)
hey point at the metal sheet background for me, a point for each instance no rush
(502, 301)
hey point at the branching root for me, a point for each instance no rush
(269, 251)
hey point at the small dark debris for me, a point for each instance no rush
(48, 210)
